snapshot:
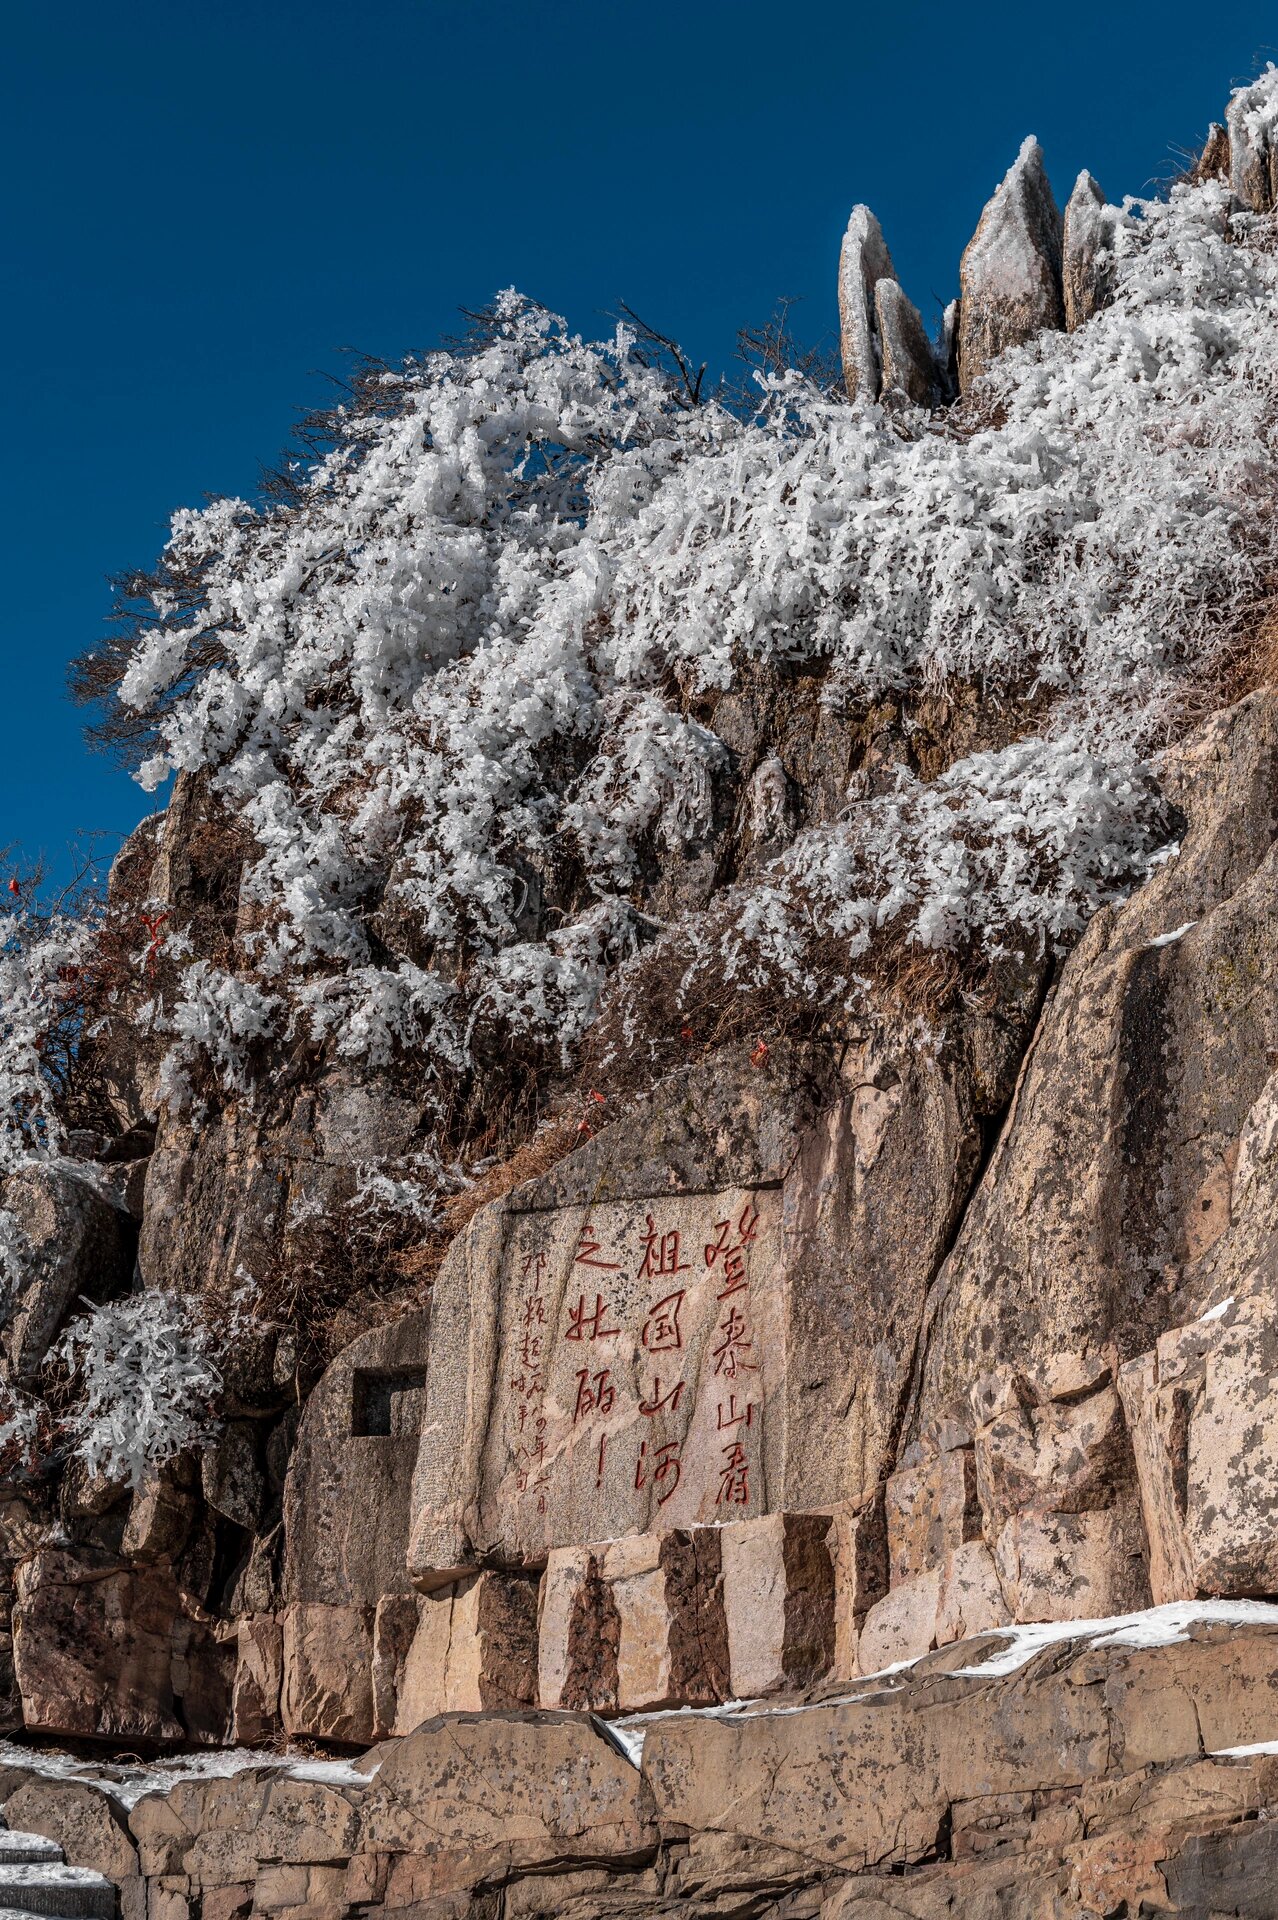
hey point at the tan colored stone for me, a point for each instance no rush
(259, 1680)
(635, 1624)
(87, 1825)
(910, 374)
(1253, 151)
(162, 1837)
(347, 1498)
(105, 1651)
(328, 1688)
(1010, 273)
(903, 1624)
(471, 1646)
(778, 1602)
(858, 1549)
(78, 1247)
(258, 1816)
(1087, 251)
(931, 1509)
(1073, 1566)
(971, 1598)
(472, 1797)
(1204, 1417)
(863, 261)
(1103, 1191)
(161, 1514)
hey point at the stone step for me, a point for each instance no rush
(48, 1887)
(28, 1849)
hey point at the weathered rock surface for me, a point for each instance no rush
(863, 261)
(111, 1651)
(1106, 1207)
(347, 1497)
(1087, 263)
(1253, 150)
(1010, 274)
(908, 365)
(1091, 1778)
(78, 1247)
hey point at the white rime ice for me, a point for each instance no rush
(148, 1385)
(486, 636)
(470, 644)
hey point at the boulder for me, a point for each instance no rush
(1087, 251)
(863, 261)
(903, 1624)
(1010, 273)
(77, 1246)
(89, 1826)
(259, 1680)
(231, 1477)
(105, 1650)
(1204, 1413)
(778, 1602)
(458, 1649)
(327, 1654)
(473, 1798)
(971, 1599)
(162, 1512)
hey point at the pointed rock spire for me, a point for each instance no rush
(1252, 119)
(1213, 162)
(907, 362)
(1010, 275)
(1087, 264)
(863, 261)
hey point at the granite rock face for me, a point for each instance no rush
(613, 1523)
(79, 1247)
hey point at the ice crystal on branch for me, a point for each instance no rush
(147, 1385)
(458, 678)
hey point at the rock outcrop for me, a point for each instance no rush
(1253, 148)
(1010, 274)
(1097, 1775)
(1087, 248)
(711, 1519)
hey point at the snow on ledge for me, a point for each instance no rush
(128, 1782)
(1163, 1626)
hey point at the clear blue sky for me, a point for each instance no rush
(206, 202)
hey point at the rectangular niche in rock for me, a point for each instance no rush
(387, 1404)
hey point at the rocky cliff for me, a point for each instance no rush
(688, 1284)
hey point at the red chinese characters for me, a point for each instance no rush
(595, 1393)
(732, 1351)
(585, 1323)
(659, 1465)
(661, 1252)
(529, 1382)
(661, 1332)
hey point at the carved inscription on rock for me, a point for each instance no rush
(639, 1345)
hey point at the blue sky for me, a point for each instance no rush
(206, 203)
